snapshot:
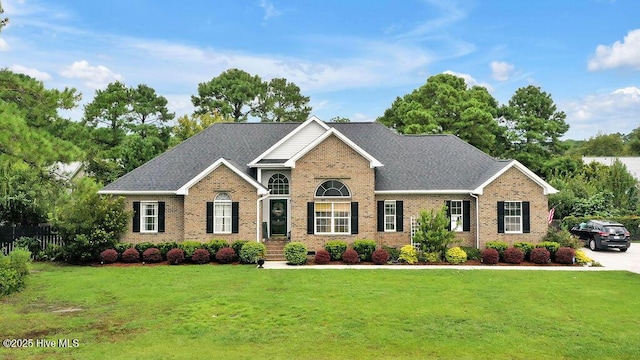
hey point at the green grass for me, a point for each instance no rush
(223, 312)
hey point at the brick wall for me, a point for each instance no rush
(174, 215)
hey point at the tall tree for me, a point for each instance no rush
(108, 114)
(339, 119)
(234, 93)
(148, 110)
(190, 125)
(282, 102)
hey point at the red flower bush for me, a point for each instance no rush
(350, 257)
(226, 255)
(131, 255)
(152, 255)
(513, 255)
(175, 256)
(322, 257)
(490, 256)
(565, 255)
(109, 256)
(380, 256)
(540, 255)
(201, 256)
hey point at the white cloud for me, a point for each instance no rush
(470, 80)
(620, 54)
(501, 70)
(269, 10)
(3, 45)
(95, 76)
(34, 73)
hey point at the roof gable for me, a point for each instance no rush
(546, 187)
(184, 190)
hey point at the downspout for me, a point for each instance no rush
(477, 220)
(258, 223)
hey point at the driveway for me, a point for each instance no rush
(616, 260)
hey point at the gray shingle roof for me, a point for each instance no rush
(411, 162)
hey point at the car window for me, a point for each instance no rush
(615, 229)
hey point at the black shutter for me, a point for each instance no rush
(136, 216)
(310, 218)
(354, 217)
(466, 215)
(235, 217)
(209, 217)
(526, 218)
(500, 217)
(448, 204)
(161, 207)
(380, 215)
(399, 216)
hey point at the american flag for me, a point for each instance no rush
(550, 218)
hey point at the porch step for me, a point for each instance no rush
(275, 248)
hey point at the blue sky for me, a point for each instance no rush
(352, 58)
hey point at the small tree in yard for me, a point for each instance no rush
(433, 231)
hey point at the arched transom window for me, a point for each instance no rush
(278, 184)
(332, 188)
(222, 214)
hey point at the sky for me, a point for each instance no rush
(351, 57)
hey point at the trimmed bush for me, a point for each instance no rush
(143, 246)
(455, 255)
(322, 257)
(152, 255)
(526, 248)
(565, 255)
(109, 256)
(226, 255)
(408, 254)
(189, 247)
(364, 248)
(13, 270)
(201, 256)
(131, 255)
(380, 256)
(490, 256)
(216, 244)
(165, 247)
(251, 252)
(336, 248)
(432, 257)
(121, 247)
(394, 253)
(473, 253)
(582, 258)
(295, 253)
(540, 255)
(350, 257)
(175, 256)
(500, 246)
(237, 245)
(513, 255)
(29, 243)
(551, 246)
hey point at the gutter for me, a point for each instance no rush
(477, 219)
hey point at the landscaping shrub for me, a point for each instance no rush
(500, 246)
(131, 255)
(350, 257)
(565, 255)
(295, 253)
(394, 253)
(433, 230)
(52, 253)
(432, 257)
(364, 248)
(408, 254)
(226, 255)
(165, 247)
(121, 247)
(200, 256)
(109, 256)
(251, 252)
(455, 255)
(13, 270)
(216, 244)
(237, 245)
(473, 253)
(551, 246)
(322, 257)
(189, 247)
(152, 255)
(562, 237)
(175, 256)
(540, 255)
(143, 246)
(490, 256)
(513, 255)
(29, 243)
(380, 256)
(582, 258)
(336, 248)
(526, 248)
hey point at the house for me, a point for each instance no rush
(631, 162)
(317, 181)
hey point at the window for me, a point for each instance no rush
(278, 184)
(332, 217)
(389, 215)
(455, 209)
(149, 217)
(332, 188)
(222, 214)
(512, 217)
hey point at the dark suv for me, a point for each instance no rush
(601, 234)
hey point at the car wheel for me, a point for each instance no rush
(623, 249)
(592, 245)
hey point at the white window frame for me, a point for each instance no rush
(222, 214)
(278, 183)
(456, 212)
(333, 220)
(144, 205)
(515, 215)
(390, 218)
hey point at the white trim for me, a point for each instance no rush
(332, 218)
(395, 215)
(420, 192)
(311, 119)
(546, 187)
(521, 217)
(135, 192)
(143, 216)
(184, 190)
(373, 162)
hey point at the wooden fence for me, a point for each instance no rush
(45, 234)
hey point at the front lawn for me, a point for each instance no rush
(222, 312)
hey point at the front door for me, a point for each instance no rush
(278, 214)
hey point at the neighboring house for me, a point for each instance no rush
(631, 162)
(68, 171)
(319, 181)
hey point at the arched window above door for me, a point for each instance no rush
(278, 184)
